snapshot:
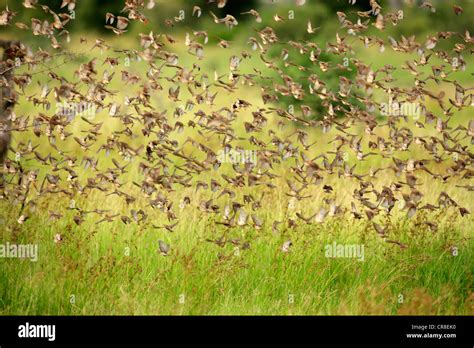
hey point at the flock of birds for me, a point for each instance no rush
(411, 161)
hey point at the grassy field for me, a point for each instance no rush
(113, 268)
(117, 269)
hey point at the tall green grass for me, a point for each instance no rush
(117, 269)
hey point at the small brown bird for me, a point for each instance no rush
(163, 248)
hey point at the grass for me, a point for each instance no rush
(117, 269)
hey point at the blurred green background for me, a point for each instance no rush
(90, 16)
